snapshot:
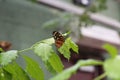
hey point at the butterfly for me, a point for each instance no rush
(59, 39)
(5, 45)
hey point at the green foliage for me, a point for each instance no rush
(84, 19)
(56, 63)
(10, 70)
(47, 54)
(50, 68)
(64, 75)
(4, 75)
(111, 65)
(49, 41)
(51, 60)
(43, 50)
(16, 71)
(112, 68)
(7, 57)
(111, 50)
(33, 69)
(1, 50)
(65, 48)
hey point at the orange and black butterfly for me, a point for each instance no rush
(59, 39)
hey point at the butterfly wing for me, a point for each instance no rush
(59, 39)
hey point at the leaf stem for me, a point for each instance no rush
(100, 77)
(25, 50)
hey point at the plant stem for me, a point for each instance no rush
(100, 77)
(25, 50)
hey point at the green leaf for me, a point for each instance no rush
(33, 69)
(7, 57)
(73, 46)
(56, 63)
(111, 50)
(112, 67)
(1, 50)
(43, 50)
(65, 48)
(4, 75)
(65, 75)
(17, 72)
(48, 41)
(50, 68)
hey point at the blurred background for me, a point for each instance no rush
(91, 22)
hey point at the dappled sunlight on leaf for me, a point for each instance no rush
(7, 57)
(48, 41)
(49, 57)
(65, 48)
(43, 50)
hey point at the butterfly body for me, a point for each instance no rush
(59, 39)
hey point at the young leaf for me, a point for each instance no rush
(43, 50)
(111, 50)
(73, 45)
(49, 57)
(56, 63)
(65, 48)
(112, 68)
(7, 57)
(33, 69)
(4, 75)
(65, 75)
(17, 72)
(48, 41)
